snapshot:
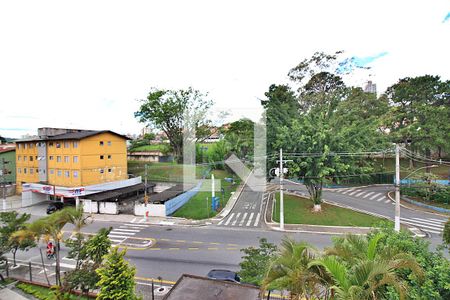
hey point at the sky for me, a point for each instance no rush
(86, 64)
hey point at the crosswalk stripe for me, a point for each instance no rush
(120, 232)
(420, 225)
(257, 219)
(368, 194)
(136, 225)
(221, 221)
(376, 195)
(243, 219)
(359, 194)
(347, 191)
(229, 219)
(379, 199)
(340, 190)
(118, 236)
(235, 220)
(423, 222)
(126, 230)
(387, 201)
(354, 192)
(116, 241)
(437, 220)
(250, 219)
(133, 227)
(431, 220)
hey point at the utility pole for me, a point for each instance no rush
(281, 191)
(397, 188)
(145, 192)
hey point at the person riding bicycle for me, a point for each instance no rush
(50, 249)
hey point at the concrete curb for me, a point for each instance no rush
(272, 223)
(413, 208)
(333, 189)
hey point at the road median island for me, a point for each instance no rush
(332, 220)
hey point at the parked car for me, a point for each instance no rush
(225, 275)
(54, 206)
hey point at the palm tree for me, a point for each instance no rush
(360, 268)
(51, 227)
(290, 271)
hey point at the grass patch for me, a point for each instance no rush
(162, 171)
(388, 164)
(196, 208)
(297, 210)
(43, 293)
(164, 148)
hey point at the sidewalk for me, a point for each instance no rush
(11, 203)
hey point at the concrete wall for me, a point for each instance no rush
(154, 210)
(173, 204)
(29, 198)
(110, 208)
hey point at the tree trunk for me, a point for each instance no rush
(57, 265)
(428, 154)
(14, 256)
(317, 208)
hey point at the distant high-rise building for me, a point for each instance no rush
(370, 87)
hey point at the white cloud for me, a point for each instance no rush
(84, 64)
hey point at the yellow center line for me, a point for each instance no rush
(232, 245)
(195, 242)
(213, 248)
(166, 240)
(215, 243)
(154, 280)
(174, 248)
(232, 249)
(193, 248)
(180, 241)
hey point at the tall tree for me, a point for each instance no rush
(173, 110)
(239, 136)
(116, 277)
(12, 222)
(418, 107)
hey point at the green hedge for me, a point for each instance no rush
(438, 194)
(43, 293)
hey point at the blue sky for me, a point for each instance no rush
(85, 64)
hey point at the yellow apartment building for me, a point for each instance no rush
(71, 158)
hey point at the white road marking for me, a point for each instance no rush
(440, 222)
(387, 201)
(126, 230)
(116, 241)
(220, 223)
(424, 222)
(250, 219)
(257, 219)
(412, 222)
(134, 220)
(64, 265)
(347, 191)
(243, 219)
(376, 195)
(354, 192)
(137, 225)
(129, 226)
(120, 232)
(359, 194)
(229, 219)
(368, 194)
(235, 220)
(379, 199)
(114, 236)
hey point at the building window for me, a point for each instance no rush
(31, 158)
(75, 144)
(101, 156)
(52, 171)
(66, 159)
(109, 143)
(37, 171)
(109, 156)
(58, 145)
(109, 170)
(67, 173)
(75, 159)
(31, 145)
(24, 158)
(58, 158)
(50, 145)
(75, 174)
(101, 143)
(31, 170)
(19, 170)
(36, 157)
(59, 173)
(25, 146)
(102, 171)
(66, 145)
(18, 146)
(50, 157)
(24, 170)
(19, 157)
